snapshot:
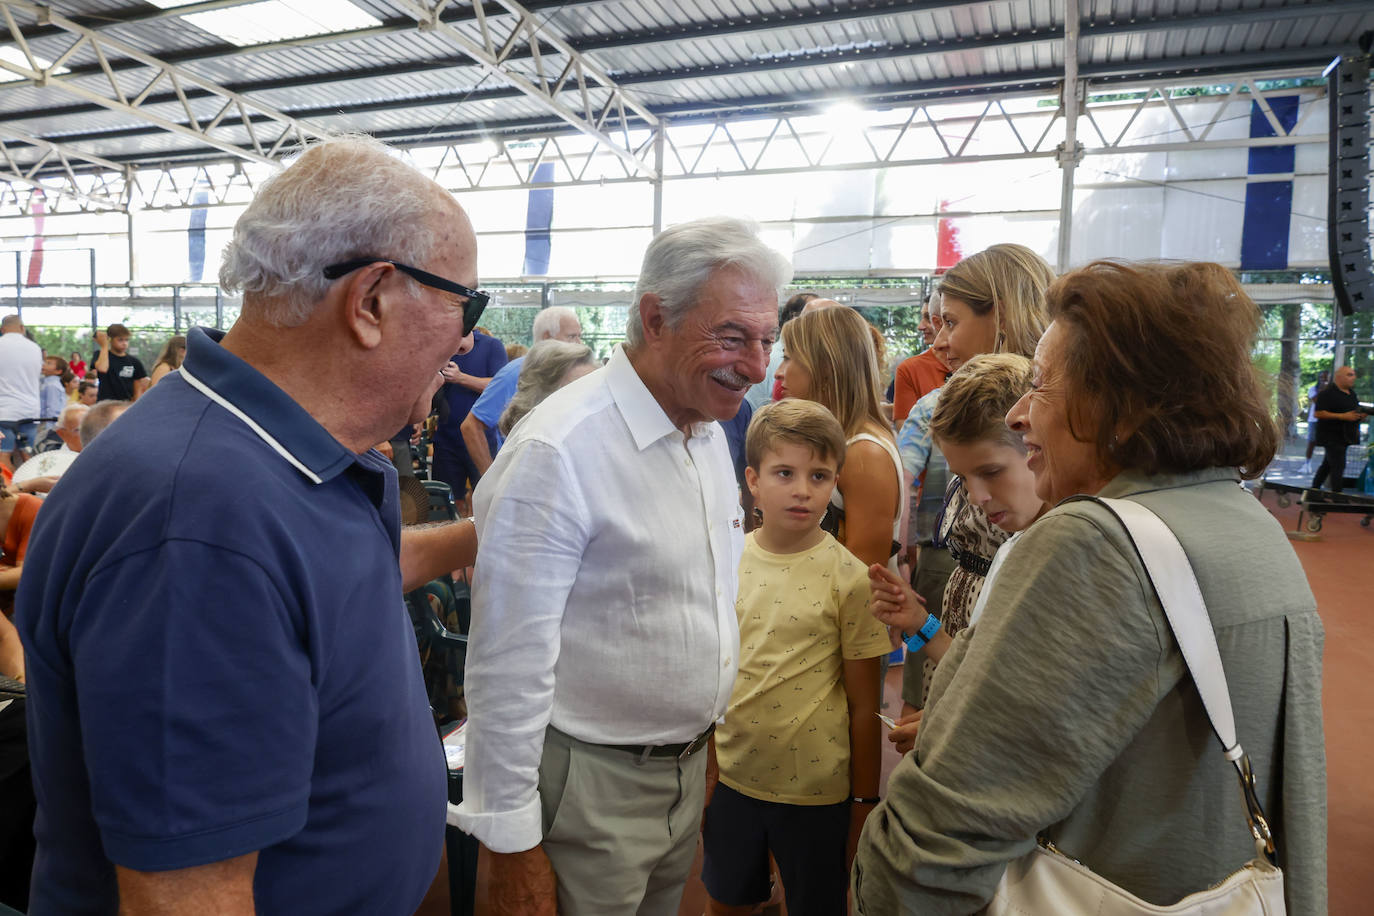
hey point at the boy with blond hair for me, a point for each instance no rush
(798, 751)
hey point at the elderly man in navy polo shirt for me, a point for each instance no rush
(226, 712)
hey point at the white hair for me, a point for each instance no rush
(680, 261)
(98, 418)
(71, 416)
(541, 374)
(345, 197)
(549, 322)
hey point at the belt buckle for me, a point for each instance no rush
(697, 743)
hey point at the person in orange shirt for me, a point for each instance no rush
(923, 373)
(17, 512)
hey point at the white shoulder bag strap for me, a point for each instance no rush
(1176, 585)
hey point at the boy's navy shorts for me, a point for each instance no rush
(807, 841)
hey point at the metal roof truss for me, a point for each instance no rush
(269, 132)
(914, 135)
(908, 136)
(26, 162)
(558, 67)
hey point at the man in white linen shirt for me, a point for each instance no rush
(604, 640)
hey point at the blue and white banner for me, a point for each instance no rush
(538, 221)
(1269, 189)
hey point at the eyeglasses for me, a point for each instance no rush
(472, 309)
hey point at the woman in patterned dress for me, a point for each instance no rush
(992, 302)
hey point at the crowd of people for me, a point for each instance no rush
(668, 641)
(74, 424)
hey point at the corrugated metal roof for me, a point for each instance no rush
(686, 56)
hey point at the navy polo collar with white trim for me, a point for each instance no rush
(286, 427)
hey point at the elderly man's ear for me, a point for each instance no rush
(651, 317)
(366, 298)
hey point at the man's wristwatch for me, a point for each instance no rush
(924, 635)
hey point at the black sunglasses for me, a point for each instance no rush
(472, 309)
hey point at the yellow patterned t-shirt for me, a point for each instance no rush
(786, 733)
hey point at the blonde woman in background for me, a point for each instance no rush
(991, 302)
(173, 352)
(829, 358)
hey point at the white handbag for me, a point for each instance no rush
(1048, 883)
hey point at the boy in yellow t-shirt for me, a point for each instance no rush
(798, 751)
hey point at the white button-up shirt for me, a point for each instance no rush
(604, 593)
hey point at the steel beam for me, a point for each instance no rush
(138, 13)
(575, 73)
(1037, 82)
(1243, 16)
(797, 61)
(26, 166)
(806, 60)
(46, 150)
(1026, 84)
(1070, 152)
(649, 37)
(235, 109)
(720, 28)
(57, 189)
(783, 20)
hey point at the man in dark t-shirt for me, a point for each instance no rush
(1338, 425)
(465, 377)
(122, 377)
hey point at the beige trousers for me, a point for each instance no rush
(621, 834)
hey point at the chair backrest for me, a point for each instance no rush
(419, 453)
(441, 505)
(440, 611)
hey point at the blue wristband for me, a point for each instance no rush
(924, 635)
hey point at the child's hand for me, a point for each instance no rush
(904, 734)
(893, 602)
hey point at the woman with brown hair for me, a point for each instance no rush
(173, 352)
(1066, 714)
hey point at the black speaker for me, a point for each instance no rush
(1347, 219)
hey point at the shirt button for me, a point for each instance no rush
(726, 663)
